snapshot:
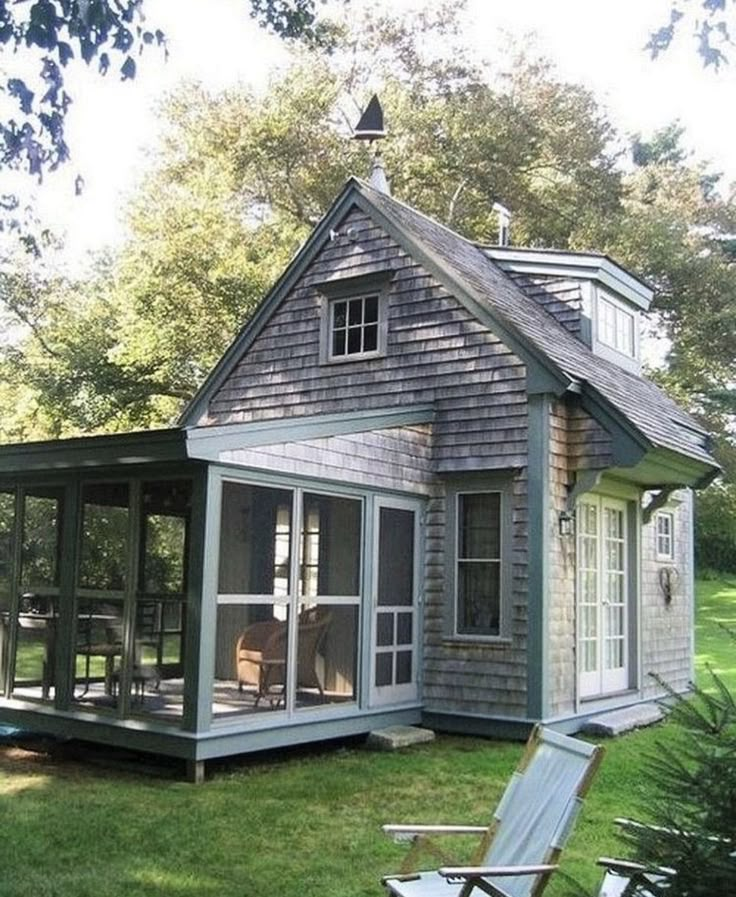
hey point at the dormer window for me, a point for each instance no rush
(354, 326)
(616, 326)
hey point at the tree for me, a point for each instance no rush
(47, 35)
(710, 23)
(241, 179)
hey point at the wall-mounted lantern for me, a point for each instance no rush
(566, 522)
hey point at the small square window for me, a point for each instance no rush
(665, 536)
(354, 326)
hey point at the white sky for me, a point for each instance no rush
(598, 44)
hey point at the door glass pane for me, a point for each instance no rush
(384, 669)
(330, 552)
(326, 654)
(396, 557)
(104, 554)
(255, 540)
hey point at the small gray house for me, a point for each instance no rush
(427, 483)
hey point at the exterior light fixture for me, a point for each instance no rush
(566, 523)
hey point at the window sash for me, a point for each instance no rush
(665, 535)
(354, 326)
(478, 604)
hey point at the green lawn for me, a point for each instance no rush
(301, 825)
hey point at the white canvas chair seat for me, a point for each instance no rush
(530, 826)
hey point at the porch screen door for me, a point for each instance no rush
(602, 596)
(395, 637)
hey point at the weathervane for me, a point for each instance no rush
(371, 128)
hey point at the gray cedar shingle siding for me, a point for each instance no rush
(396, 458)
(589, 444)
(667, 629)
(560, 296)
(561, 595)
(437, 353)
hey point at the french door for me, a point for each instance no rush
(603, 596)
(396, 596)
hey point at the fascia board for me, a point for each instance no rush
(303, 257)
(206, 443)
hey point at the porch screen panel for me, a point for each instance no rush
(252, 638)
(156, 681)
(102, 580)
(38, 605)
(329, 581)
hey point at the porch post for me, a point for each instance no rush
(538, 557)
(201, 604)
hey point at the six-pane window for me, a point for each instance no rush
(478, 563)
(616, 327)
(354, 326)
(665, 535)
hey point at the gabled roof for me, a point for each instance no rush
(559, 361)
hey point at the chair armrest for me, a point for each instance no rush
(409, 832)
(629, 867)
(482, 871)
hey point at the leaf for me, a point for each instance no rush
(65, 52)
(128, 68)
(104, 63)
(18, 89)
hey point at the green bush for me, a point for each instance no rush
(715, 528)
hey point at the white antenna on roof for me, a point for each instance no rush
(504, 224)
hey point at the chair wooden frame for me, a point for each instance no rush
(477, 874)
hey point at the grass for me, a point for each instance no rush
(299, 825)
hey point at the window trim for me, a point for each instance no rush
(664, 556)
(363, 287)
(468, 485)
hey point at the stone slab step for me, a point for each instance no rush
(394, 738)
(614, 722)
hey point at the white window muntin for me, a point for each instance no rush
(617, 326)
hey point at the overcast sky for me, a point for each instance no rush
(598, 44)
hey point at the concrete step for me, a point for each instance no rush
(614, 722)
(394, 738)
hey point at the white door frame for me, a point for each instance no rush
(403, 692)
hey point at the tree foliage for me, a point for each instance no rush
(710, 23)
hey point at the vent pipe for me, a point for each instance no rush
(504, 224)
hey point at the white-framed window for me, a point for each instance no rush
(616, 326)
(354, 327)
(478, 563)
(665, 535)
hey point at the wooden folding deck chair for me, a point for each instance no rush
(518, 851)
